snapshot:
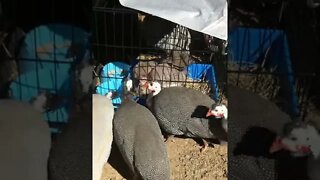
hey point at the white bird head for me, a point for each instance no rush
(129, 85)
(218, 111)
(154, 87)
(301, 139)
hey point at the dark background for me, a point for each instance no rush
(31, 13)
(300, 23)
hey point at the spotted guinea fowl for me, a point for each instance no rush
(139, 140)
(304, 134)
(102, 120)
(307, 134)
(187, 112)
(260, 122)
(71, 152)
(260, 141)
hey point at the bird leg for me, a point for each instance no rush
(204, 146)
(169, 137)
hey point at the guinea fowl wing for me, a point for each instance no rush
(198, 125)
(247, 110)
(150, 155)
(169, 108)
(197, 128)
(124, 124)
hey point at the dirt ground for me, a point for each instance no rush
(186, 161)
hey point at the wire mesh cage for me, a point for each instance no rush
(148, 48)
(260, 61)
(39, 57)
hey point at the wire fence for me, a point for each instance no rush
(156, 50)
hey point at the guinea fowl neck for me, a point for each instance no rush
(149, 100)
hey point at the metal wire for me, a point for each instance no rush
(133, 43)
(52, 13)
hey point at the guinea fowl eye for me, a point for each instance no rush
(307, 138)
(293, 138)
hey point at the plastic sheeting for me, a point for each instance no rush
(209, 17)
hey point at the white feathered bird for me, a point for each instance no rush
(103, 112)
(25, 142)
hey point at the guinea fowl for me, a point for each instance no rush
(308, 135)
(139, 140)
(188, 112)
(267, 143)
(102, 117)
(254, 129)
(304, 134)
(71, 153)
(299, 134)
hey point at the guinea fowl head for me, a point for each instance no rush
(218, 111)
(128, 84)
(299, 138)
(154, 87)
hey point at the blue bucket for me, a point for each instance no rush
(113, 75)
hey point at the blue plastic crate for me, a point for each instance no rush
(249, 45)
(38, 68)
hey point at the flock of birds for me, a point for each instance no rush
(138, 130)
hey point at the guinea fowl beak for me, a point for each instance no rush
(147, 86)
(209, 113)
(304, 149)
(277, 145)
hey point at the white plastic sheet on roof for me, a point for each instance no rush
(206, 16)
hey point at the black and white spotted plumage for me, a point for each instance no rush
(139, 139)
(182, 111)
(249, 110)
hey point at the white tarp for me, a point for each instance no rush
(207, 16)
